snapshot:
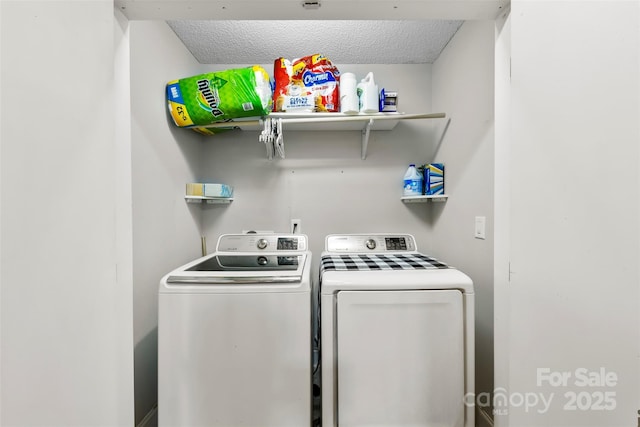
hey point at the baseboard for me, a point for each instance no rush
(151, 419)
(483, 419)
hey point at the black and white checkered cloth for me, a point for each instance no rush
(379, 262)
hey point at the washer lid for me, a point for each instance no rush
(236, 269)
(256, 262)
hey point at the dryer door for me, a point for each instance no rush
(400, 358)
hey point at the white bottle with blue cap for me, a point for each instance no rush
(412, 181)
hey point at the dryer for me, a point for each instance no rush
(234, 336)
(397, 335)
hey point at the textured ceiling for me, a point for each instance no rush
(343, 42)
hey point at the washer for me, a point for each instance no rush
(234, 335)
(397, 335)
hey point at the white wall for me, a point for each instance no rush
(574, 236)
(166, 232)
(66, 321)
(463, 87)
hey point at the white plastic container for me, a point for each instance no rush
(368, 95)
(412, 182)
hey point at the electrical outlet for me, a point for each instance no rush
(296, 226)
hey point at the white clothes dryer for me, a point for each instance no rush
(397, 335)
(234, 336)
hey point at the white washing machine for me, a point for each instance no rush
(397, 335)
(234, 336)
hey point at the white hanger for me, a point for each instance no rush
(266, 136)
(279, 141)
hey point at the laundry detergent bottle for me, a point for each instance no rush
(412, 182)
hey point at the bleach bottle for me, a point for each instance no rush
(369, 100)
(412, 182)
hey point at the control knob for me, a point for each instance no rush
(262, 243)
(370, 244)
(262, 260)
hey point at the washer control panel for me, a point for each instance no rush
(374, 243)
(262, 243)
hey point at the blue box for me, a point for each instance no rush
(434, 179)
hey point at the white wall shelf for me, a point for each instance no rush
(209, 200)
(365, 123)
(323, 121)
(425, 199)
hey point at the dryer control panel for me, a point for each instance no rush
(370, 243)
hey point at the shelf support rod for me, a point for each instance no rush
(365, 139)
(320, 119)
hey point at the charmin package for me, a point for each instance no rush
(306, 84)
(219, 96)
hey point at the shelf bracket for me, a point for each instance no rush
(365, 139)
